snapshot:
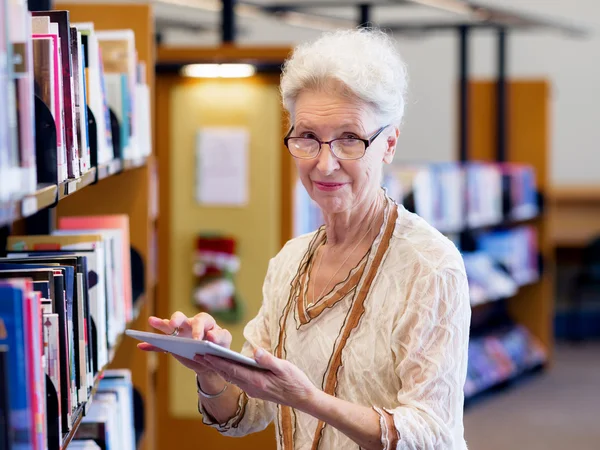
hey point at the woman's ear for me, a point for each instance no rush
(390, 149)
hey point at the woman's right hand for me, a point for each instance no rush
(202, 327)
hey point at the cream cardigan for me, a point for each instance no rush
(402, 350)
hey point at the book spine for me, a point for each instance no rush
(52, 352)
(5, 187)
(23, 75)
(34, 359)
(11, 169)
(85, 142)
(12, 317)
(4, 405)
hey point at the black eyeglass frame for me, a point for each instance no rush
(367, 143)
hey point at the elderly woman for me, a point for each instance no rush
(364, 323)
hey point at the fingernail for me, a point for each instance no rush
(259, 352)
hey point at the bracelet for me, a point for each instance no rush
(204, 394)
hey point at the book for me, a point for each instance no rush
(94, 83)
(100, 424)
(118, 225)
(22, 72)
(61, 18)
(6, 188)
(4, 393)
(42, 28)
(50, 323)
(12, 322)
(65, 311)
(9, 156)
(105, 305)
(79, 100)
(120, 67)
(119, 382)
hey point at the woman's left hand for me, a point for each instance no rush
(282, 383)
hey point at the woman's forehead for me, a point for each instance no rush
(331, 111)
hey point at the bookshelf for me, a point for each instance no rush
(118, 187)
(528, 120)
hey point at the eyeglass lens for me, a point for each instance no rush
(342, 148)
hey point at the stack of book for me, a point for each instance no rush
(64, 301)
(516, 249)
(503, 261)
(71, 97)
(488, 280)
(109, 423)
(501, 356)
(456, 197)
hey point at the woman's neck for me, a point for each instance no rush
(346, 228)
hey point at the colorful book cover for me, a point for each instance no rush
(20, 31)
(80, 125)
(52, 351)
(43, 57)
(91, 262)
(60, 307)
(12, 325)
(116, 90)
(5, 186)
(106, 111)
(61, 18)
(119, 56)
(87, 159)
(12, 172)
(93, 77)
(58, 111)
(4, 393)
(110, 222)
(35, 353)
(119, 381)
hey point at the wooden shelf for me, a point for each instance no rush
(111, 168)
(48, 194)
(67, 438)
(130, 164)
(69, 187)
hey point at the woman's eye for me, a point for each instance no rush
(350, 136)
(308, 135)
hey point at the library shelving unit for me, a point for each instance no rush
(119, 187)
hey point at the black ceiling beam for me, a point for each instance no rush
(364, 15)
(416, 27)
(311, 4)
(228, 21)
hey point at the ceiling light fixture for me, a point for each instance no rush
(218, 70)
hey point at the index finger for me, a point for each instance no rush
(201, 324)
(160, 324)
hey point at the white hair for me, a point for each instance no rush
(365, 61)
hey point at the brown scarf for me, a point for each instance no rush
(361, 280)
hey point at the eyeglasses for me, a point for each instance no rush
(342, 148)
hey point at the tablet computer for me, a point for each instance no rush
(188, 348)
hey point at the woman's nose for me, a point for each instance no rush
(327, 161)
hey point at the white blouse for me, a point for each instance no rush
(393, 336)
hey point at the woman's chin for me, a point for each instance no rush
(332, 204)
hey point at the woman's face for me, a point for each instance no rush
(341, 185)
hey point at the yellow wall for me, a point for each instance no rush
(256, 227)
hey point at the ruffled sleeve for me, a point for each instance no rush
(430, 348)
(252, 415)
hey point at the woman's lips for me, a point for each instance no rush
(328, 186)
